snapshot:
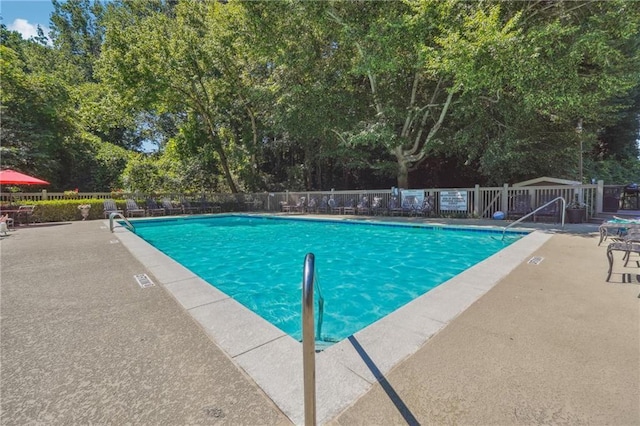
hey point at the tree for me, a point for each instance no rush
(570, 63)
(189, 63)
(34, 117)
(416, 57)
(77, 32)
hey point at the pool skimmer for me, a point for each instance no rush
(536, 260)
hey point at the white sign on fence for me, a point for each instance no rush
(412, 197)
(453, 200)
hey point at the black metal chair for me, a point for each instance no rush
(519, 206)
(627, 247)
(552, 211)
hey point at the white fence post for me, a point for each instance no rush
(44, 194)
(505, 199)
(600, 197)
(476, 201)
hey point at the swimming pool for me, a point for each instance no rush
(364, 270)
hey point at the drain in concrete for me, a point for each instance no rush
(143, 280)
(535, 260)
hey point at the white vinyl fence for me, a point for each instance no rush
(479, 202)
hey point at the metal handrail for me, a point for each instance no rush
(112, 215)
(564, 206)
(308, 341)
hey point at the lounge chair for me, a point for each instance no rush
(312, 205)
(187, 208)
(208, 207)
(153, 209)
(323, 207)
(333, 206)
(349, 207)
(109, 207)
(363, 206)
(133, 209)
(297, 207)
(300, 205)
(428, 206)
(285, 207)
(169, 208)
(252, 204)
(376, 205)
(409, 205)
(393, 208)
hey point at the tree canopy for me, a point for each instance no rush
(187, 95)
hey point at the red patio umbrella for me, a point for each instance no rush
(11, 177)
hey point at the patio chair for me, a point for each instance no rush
(133, 209)
(312, 205)
(285, 207)
(109, 207)
(207, 206)
(376, 205)
(626, 247)
(333, 207)
(617, 227)
(427, 207)
(24, 214)
(410, 205)
(394, 208)
(187, 208)
(300, 205)
(363, 206)
(349, 207)
(519, 206)
(323, 206)
(169, 208)
(552, 211)
(153, 209)
(631, 236)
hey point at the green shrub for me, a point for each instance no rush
(67, 210)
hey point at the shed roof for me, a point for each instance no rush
(546, 180)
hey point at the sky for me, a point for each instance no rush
(24, 16)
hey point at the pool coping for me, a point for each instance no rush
(346, 370)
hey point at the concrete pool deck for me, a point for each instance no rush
(83, 343)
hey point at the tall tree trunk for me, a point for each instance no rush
(225, 167)
(219, 148)
(403, 168)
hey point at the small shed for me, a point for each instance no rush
(538, 195)
(545, 181)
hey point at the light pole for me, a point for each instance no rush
(579, 131)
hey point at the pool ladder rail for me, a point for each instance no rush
(564, 206)
(308, 341)
(128, 224)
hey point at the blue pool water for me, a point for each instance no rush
(364, 271)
